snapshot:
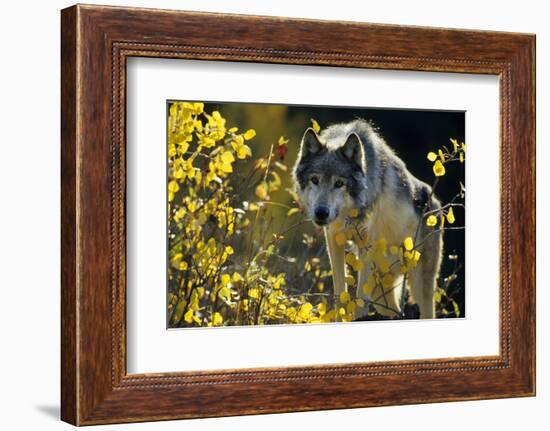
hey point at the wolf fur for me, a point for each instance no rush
(349, 167)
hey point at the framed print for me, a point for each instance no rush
(326, 222)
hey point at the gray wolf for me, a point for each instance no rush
(349, 169)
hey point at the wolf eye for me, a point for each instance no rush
(314, 180)
(338, 184)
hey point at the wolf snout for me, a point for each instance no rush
(322, 213)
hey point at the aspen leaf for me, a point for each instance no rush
(341, 238)
(438, 168)
(217, 319)
(345, 297)
(315, 125)
(292, 211)
(249, 134)
(431, 220)
(451, 216)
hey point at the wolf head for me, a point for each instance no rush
(331, 179)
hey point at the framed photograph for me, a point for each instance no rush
(321, 221)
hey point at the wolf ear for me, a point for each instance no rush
(353, 151)
(310, 143)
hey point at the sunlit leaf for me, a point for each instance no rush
(315, 125)
(450, 216)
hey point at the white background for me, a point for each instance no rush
(152, 349)
(29, 216)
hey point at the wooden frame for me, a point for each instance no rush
(96, 41)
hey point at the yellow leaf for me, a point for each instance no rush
(180, 213)
(249, 134)
(243, 152)
(408, 243)
(171, 150)
(173, 109)
(292, 211)
(227, 168)
(438, 168)
(316, 126)
(291, 313)
(261, 191)
(282, 141)
(184, 146)
(345, 297)
(207, 142)
(360, 302)
(275, 183)
(237, 141)
(305, 310)
(431, 220)
(455, 144)
(451, 216)
(350, 280)
(350, 259)
(173, 186)
(321, 308)
(228, 157)
(387, 281)
(217, 319)
(330, 316)
(254, 292)
(341, 238)
(188, 317)
(198, 107)
(456, 309)
(432, 156)
(179, 309)
(224, 293)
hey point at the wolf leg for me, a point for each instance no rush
(384, 300)
(336, 254)
(424, 276)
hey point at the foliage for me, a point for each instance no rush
(229, 264)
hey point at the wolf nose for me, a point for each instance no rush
(322, 212)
